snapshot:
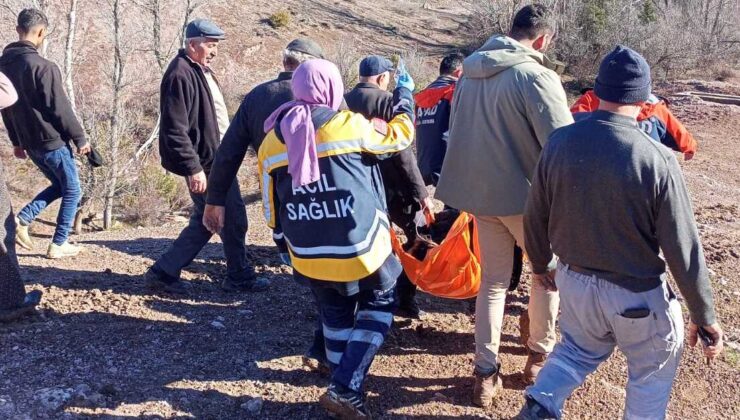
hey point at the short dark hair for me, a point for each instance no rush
(531, 22)
(30, 18)
(451, 63)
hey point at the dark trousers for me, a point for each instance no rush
(195, 236)
(12, 291)
(354, 329)
(402, 213)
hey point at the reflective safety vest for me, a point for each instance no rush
(336, 228)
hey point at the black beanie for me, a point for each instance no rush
(624, 77)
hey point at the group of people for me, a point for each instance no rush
(591, 193)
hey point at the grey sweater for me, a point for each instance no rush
(607, 199)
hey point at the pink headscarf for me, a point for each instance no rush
(315, 83)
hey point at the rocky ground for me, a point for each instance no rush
(103, 346)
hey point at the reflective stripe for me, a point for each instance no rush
(278, 236)
(384, 317)
(365, 336)
(337, 334)
(333, 356)
(348, 249)
(282, 159)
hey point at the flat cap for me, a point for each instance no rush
(204, 28)
(374, 65)
(306, 46)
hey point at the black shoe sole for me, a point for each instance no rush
(160, 286)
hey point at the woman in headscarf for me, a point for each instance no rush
(14, 302)
(323, 196)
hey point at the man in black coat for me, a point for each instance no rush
(42, 126)
(194, 116)
(405, 192)
(247, 130)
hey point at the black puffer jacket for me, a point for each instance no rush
(188, 131)
(42, 119)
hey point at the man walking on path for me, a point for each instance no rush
(607, 200)
(405, 192)
(41, 126)
(505, 106)
(194, 117)
(433, 107)
(14, 302)
(247, 130)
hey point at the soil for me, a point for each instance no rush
(103, 346)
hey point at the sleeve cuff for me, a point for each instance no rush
(215, 199)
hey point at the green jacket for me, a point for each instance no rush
(505, 106)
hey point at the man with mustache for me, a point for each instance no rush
(194, 119)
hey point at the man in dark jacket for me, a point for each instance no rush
(42, 126)
(247, 130)
(405, 192)
(433, 106)
(194, 116)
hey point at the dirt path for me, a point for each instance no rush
(104, 347)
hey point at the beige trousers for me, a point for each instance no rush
(497, 236)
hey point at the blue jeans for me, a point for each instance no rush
(60, 168)
(354, 329)
(597, 316)
(195, 236)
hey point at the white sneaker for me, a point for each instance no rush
(22, 238)
(61, 251)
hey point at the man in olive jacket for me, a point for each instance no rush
(505, 106)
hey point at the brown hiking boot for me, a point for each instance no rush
(535, 362)
(486, 387)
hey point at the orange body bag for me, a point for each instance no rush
(451, 269)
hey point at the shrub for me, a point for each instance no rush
(347, 59)
(279, 19)
(152, 195)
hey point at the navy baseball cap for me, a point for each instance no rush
(204, 28)
(374, 65)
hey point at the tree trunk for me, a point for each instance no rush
(115, 118)
(69, 52)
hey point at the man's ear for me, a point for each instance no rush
(458, 73)
(42, 32)
(540, 42)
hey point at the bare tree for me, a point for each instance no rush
(69, 52)
(115, 116)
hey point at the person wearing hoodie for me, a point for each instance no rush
(322, 187)
(433, 106)
(505, 106)
(14, 302)
(42, 126)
